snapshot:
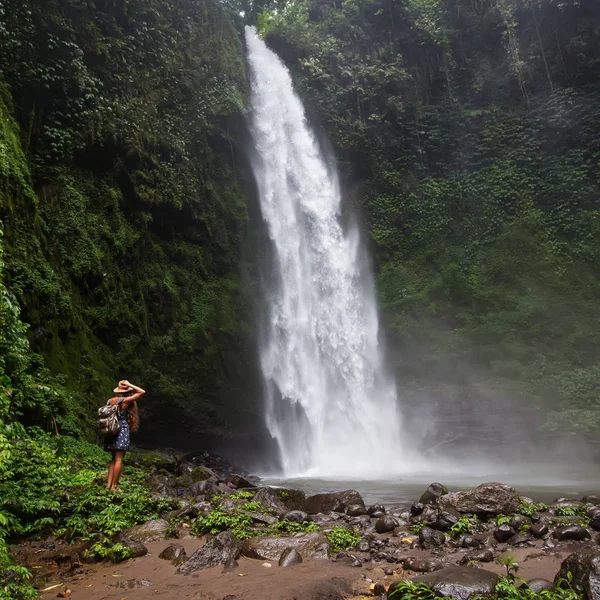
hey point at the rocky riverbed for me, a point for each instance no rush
(233, 539)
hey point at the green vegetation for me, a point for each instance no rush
(465, 525)
(286, 526)
(239, 524)
(342, 539)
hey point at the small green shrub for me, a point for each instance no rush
(286, 526)
(342, 539)
(105, 549)
(411, 590)
(199, 474)
(218, 520)
(463, 526)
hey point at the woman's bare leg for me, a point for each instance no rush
(111, 472)
(118, 467)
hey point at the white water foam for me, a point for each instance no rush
(330, 403)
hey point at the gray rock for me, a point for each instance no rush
(486, 555)
(520, 539)
(520, 522)
(504, 533)
(376, 508)
(433, 493)
(459, 583)
(298, 516)
(337, 501)
(385, 524)
(423, 565)
(218, 551)
(417, 508)
(539, 530)
(173, 552)
(363, 546)
(356, 510)
(237, 481)
(487, 498)
(290, 557)
(137, 547)
(431, 538)
(446, 519)
(132, 584)
(309, 545)
(584, 566)
(281, 500)
(150, 531)
(538, 584)
(571, 532)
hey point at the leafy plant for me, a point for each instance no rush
(217, 520)
(411, 590)
(342, 539)
(116, 552)
(286, 526)
(464, 525)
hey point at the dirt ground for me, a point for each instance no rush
(251, 580)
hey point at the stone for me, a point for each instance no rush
(431, 538)
(518, 522)
(336, 501)
(150, 531)
(486, 555)
(433, 493)
(385, 524)
(135, 546)
(220, 550)
(132, 584)
(417, 508)
(309, 545)
(237, 481)
(504, 532)
(446, 519)
(538, 585)
(356, 510)
(173, 552)
(488, 498)
(584, 567)
(459, 583)
(591, 499)
(422, 565)
(378, 589)
(363, 546)
(290, 557)
(520, 539)
(539, 530)
(375, 508)
(571, 532)
(298, 516)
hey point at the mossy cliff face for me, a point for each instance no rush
(124, 246)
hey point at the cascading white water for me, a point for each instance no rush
(330, 404)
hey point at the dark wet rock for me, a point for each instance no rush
(260, 517)
(518, 522)
(486, 555)
(132, 584)
(584, 566)
(309, 545)
(385, 524)
(383, 557)
(356, 510)
(591, 499)
(446, 519)
(488, 498)
(538, 585)
(290, 557)
(468, 541)
(549, 543)
(422, 565)
(220, 550)
(356, 563)
(431, 538)
(337, 501)
(433, 493)
(206, 488)
(459, 583)
(388, 571)
(520, 539)
(375, 508)
(173, 552)
(281, 500)
(571, 532)
(594, 515)
(298, 516)
(363, 546)
(150, 531)
(539, 530)
(237, 481)
(504, 532)
(378, 589)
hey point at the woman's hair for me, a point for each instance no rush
(133, 417)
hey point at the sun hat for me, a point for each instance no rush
(122, 389)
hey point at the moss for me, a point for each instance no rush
(182, 482)
(199, 474)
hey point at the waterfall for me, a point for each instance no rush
(330, 404)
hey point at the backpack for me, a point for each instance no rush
(108, 423)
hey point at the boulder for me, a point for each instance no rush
(432, 494)
(220, 550)
(298, 516)
(459, 583)
(446, 519)
(571, 532)
(150, 531)
(385, 524)
(281, 500)
(488, 498)
(356, 510)
(137, 547)
(431, 538)
(538, 585)
(504, 533)
(486, 555)
(423, 565)
(290, 557)
(417, 508)
(376, 508)
(520, 539)
(237, 481)
(539, 530)
(309, 545)
(336, 501)
(173, 552)
(584, 566)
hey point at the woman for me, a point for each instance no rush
(126, 397)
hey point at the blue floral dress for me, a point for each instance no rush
(120, 441)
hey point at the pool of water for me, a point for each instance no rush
(543, 483)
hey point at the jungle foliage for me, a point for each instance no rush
(468, 133)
